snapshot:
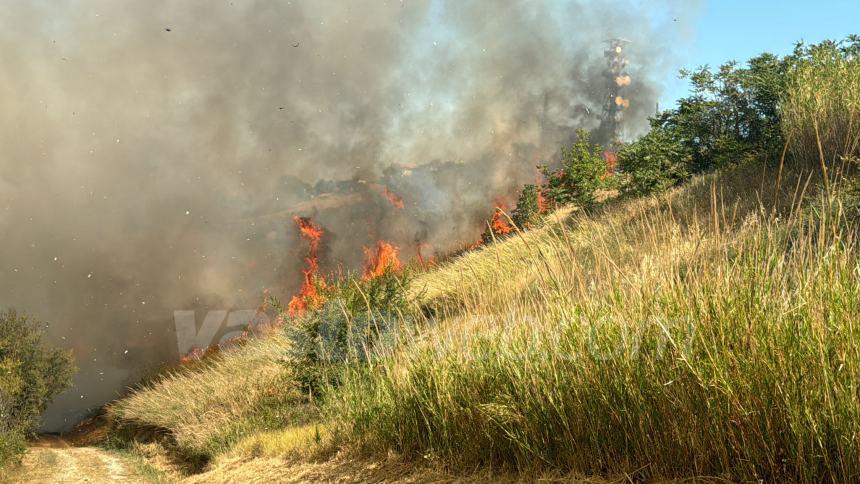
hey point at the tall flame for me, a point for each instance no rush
(379, 260)
(498, 223)
(308, 296)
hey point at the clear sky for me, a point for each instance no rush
(740, 29)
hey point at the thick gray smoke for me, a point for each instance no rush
(153, 154)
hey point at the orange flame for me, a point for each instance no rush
(382, 259)
(621, 102)
(394, 199)
(611, 160)
(622, 81)
(308, 296)
(542, 204)
(499, 224)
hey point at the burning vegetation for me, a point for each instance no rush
(499, 223)
(380, 259)
(309, 296)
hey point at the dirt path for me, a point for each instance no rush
(53, 460)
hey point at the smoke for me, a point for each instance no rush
(154, 153)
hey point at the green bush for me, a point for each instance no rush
(31, 374)
(527, 210)
(654, 162)
(351, 324)
(732, 115)
(583, 171)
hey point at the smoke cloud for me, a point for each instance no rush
(154, 153)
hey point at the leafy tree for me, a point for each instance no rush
(527, 210)
(654, 162)
(583, 171)
(31, 374)
(732, 114)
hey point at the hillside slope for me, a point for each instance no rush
(695, 327)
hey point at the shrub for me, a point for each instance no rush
(582, 172)
(654, 162)
(351, 324)
(31, 374)
(528, 209)
(733, 113)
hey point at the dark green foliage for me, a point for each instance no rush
(582, 172)
(31, 374)
(357, 316)
(654, 162)
(527, 210)
(732, 114)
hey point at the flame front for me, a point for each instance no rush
(380, 260)
(499, 224)
(309, 296)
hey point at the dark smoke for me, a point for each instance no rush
(154, 153)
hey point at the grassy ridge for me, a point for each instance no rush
(678, 343)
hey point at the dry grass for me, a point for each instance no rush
(206, 409)
(821, 115)
(707, 332)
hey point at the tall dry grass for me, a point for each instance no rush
(711, 332)
(821, 109)
(205, 410)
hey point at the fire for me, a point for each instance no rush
(394, 199)
(611, 160)
(309, 231)
(621, 102)
(499, 224)
(419, 254)
(542, 204)
(308, 296)
(622, 80)
(382, 259)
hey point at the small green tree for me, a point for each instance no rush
(583, 171)
(654, 162)
(527, 210)
(31, 374)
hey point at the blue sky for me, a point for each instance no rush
(740, 29)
